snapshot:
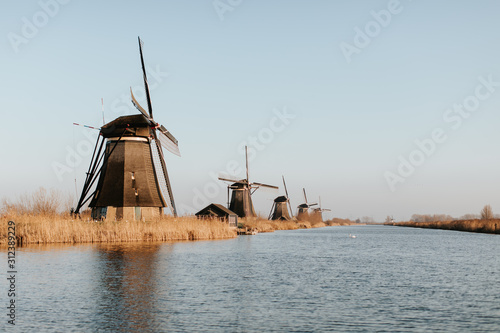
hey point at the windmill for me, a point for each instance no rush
(303, 209)
(131, 171)
(242, 190)
(317, 214)
(279, 210)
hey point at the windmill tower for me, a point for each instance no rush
(242, 190)
(130, 169)
(303, 209)
(279, 210)
(317, 214)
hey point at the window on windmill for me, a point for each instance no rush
(136, 192)
(133, 175)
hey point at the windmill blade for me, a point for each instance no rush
(232, 180)
(305, 196)
(246, 160)
(326, 210)
(168, 141)
(284, 184)
(265, 185)
(91, 127)
(168, 144)
(169, 135)
(165, 174)
(102, 107)
(287, 198)
(313, 204)
(146, 86)
(138, 106)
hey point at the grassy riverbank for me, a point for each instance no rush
(44, 229)
(38, 220)
(262, 225)
(484, 226)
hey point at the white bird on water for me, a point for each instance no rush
(352, 236)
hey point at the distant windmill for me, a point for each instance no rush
(241, 198)
(303, 209)
(279, 210)
(131, 168)
(317, 214)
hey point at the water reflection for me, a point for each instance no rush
(126, 286)
(387, 279)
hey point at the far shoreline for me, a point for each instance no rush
(491, 226)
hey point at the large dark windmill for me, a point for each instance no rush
(131, 171)
(279, 210)
(303, 209)
(242, 190)
(317, 213)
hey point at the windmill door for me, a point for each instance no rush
(137, 213)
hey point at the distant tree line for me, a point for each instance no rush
(485, 214)
(430, 218)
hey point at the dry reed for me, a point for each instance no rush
(43, 229)
(338, 222)
(262, 225)
(483, 226)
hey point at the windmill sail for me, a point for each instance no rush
(137, 105)
(155, 136)
(168, 141)
(288, 198)
(234, 180)
(265, 185)
(146, 86)
(162, 177)
(241, 198)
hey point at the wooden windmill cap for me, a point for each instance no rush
(281, 199)
(115, 128)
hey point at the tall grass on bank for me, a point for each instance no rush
(338, 221)
(43, 229)
(263, 225)
(40, 219)
(491, 226)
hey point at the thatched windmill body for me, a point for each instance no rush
(132, 175)
(303, 209)
(279, 210)
(241, 193)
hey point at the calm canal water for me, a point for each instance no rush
(388, 279)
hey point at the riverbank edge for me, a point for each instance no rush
(479, 226)
(56, 229)
(63, 229)
(262, 225)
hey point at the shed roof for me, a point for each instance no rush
(216, 209)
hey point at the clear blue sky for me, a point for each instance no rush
(224, 68)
